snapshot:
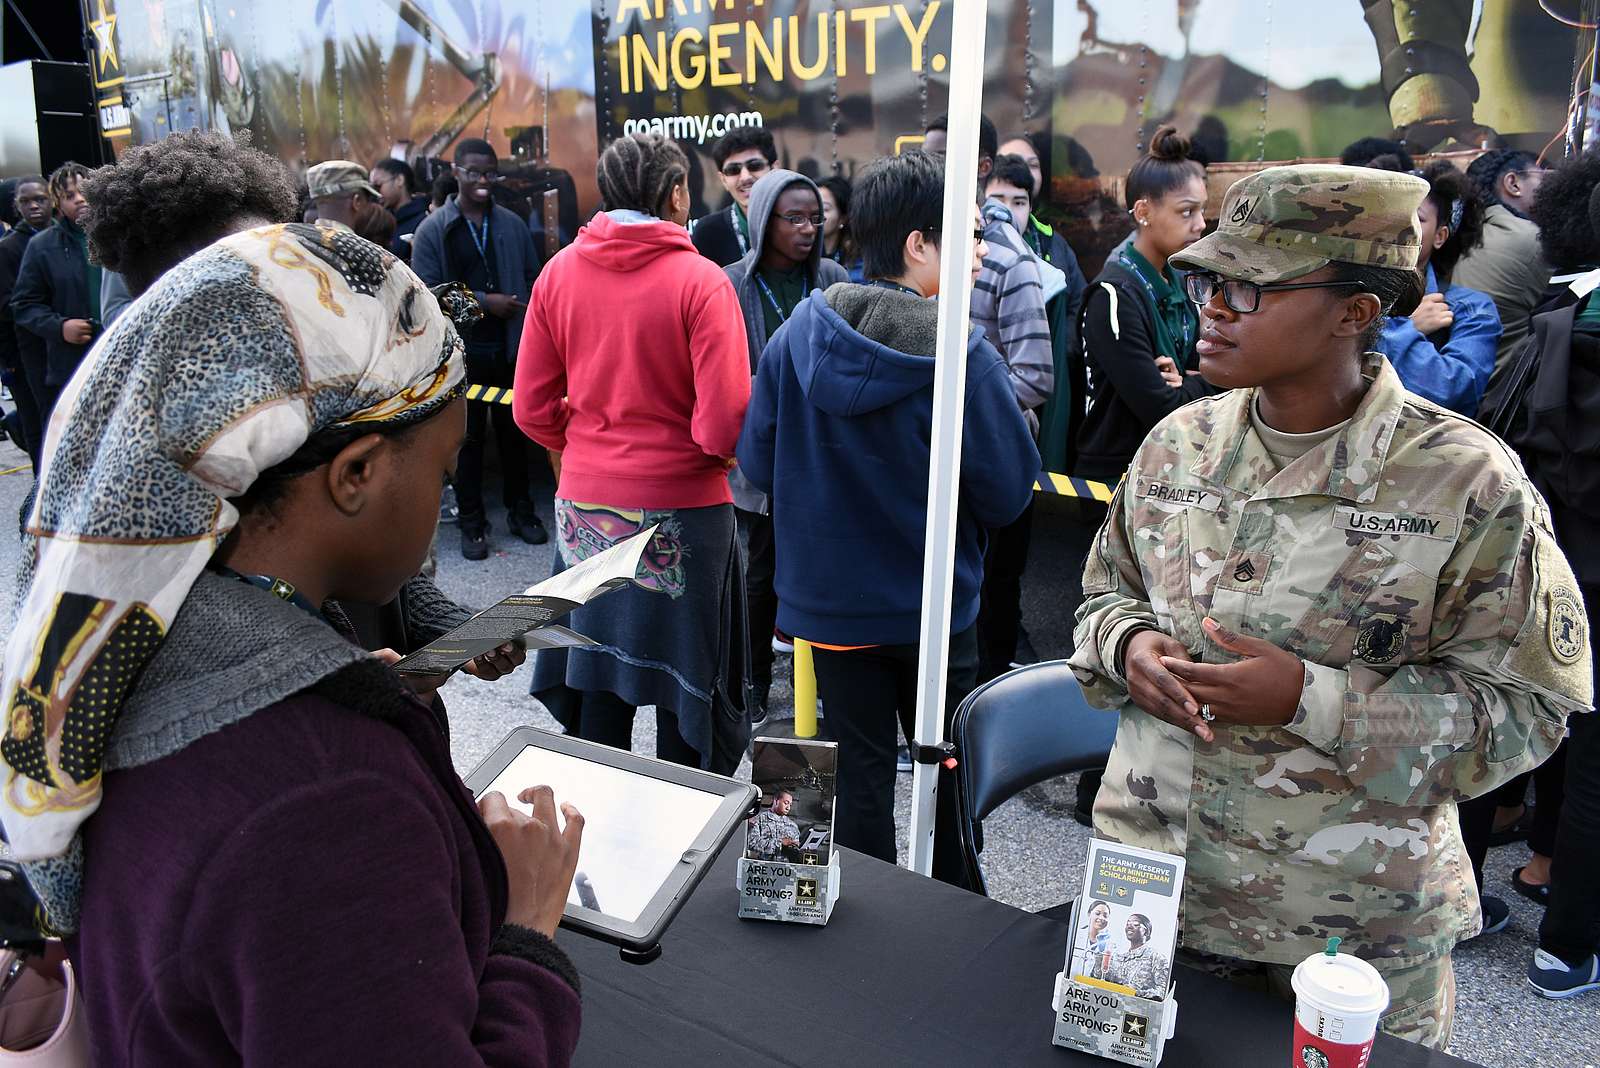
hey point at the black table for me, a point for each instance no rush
(908, 971)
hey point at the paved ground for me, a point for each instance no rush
(1034, 850)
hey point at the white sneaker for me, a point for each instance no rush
(781, 642)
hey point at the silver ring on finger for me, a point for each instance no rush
(1206, 713)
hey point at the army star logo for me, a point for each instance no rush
(1380, 640)
(1134, 1027)
(805, 891)
(1566, 630)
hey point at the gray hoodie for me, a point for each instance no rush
(820, 274)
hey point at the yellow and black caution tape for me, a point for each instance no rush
(1067, 486)
(1047, 482)
(490, 394)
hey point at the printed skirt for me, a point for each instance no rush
(678, 640)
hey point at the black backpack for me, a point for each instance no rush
(1545, 403)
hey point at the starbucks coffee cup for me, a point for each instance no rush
(1338, 1001)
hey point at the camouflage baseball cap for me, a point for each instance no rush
(337, 178)
(1284, 222)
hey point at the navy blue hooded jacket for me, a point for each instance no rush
(838, 432)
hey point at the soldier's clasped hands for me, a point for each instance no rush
(1263, 689)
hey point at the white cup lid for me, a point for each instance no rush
(1341, 983)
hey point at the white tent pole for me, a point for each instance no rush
(968, 21)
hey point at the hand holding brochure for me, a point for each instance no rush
(529, 616)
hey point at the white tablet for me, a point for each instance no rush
(651, 829)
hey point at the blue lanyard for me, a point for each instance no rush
(481, 243)
(771, 299)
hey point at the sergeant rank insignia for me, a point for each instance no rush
(1380, 640)
(1565, 631)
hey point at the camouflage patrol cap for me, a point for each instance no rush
(1284, 222)
(337, 178)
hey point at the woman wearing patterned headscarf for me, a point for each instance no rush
(249, 826)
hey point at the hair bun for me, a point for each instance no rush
(1169, 144)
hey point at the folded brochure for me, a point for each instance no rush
(1127, 919)
(530, 615)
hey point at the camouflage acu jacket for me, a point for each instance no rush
(1410, 564)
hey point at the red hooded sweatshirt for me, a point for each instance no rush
(634, 366)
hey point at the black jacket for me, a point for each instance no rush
(12, 247)
(1127, 396)
(52, 287)
(406, 221)
(1545, 403)
(717, 237)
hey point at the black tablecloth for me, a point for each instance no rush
(908, 971)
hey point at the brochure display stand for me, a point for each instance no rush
(789, 893)
(1115, 997)
(790, 870)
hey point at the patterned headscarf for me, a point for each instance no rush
(221, 371)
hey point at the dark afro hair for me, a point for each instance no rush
(170, 198)
(1561, 210)
(1361, 153)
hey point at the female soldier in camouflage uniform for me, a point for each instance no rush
(1326, 608)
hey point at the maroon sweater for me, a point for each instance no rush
(307, 887)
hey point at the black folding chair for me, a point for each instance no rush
(1026, 726)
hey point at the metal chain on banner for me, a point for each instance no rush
(540, 64)
(922, 75)
(432, 81)
(672, 35)
(603, 44)
(1144, 74)
(488, 107)
(1027, 62)
(1266, 80)
(750, 75)
(833, 121)
(255, 64)
(300, 104)
(383, 97)
(338, 78)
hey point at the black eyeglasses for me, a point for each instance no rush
(754, 166)
(1241, 296)
(797, 220)
(478, 176)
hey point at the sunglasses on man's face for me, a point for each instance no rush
(1241, 296)
(755, 166)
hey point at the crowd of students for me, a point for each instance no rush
(757, 386)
